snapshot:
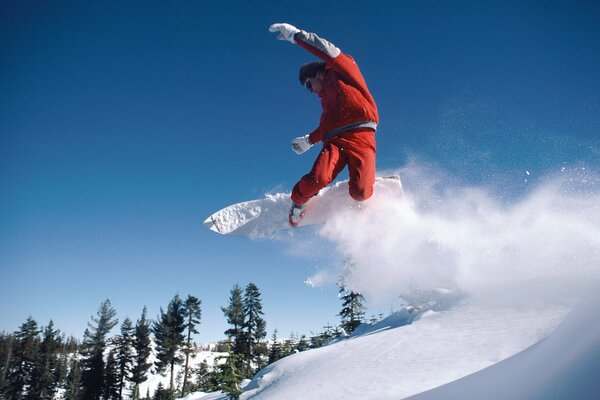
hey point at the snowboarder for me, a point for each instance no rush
(347, 125)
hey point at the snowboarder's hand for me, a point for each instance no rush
(301, 144)
(285, 31)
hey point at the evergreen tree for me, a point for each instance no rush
(93, 347)
(22, 364)
(110, 390)
(254, 328)
(302, 344)
(73, 385)
(289, 345)
(228, 376)
(47, 369)
(192, 316)
(141, 345)
(124, 354)
(275, 351)
(204, 378)
(169, 338)
(235, 318)
(353, 309)
(162, 394)
(6, 351)
(68, 348)
(327, 334)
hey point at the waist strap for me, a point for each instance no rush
(355, 125)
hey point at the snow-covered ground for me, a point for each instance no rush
(469, 351)
(394, 361)
(564, 366)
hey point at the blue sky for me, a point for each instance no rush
(124, 124)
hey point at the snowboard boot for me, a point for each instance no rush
(296, 214)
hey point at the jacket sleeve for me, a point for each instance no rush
(317, 135)
(342, 63)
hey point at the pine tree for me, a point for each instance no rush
(254, 328)
(353, 309)
(47, 369)
(20, 371)
(204, 381)
(141, 345)
(302, 344)
(124, 354)
(326, 335)
(110, 387)
(93, 347)
(192, 315)
(6, 351)
(228, 375)
(275, 351)
(169, 338)
(161, 393)
(73, 385)
(68, 348)
(235, 318)
(289, 345)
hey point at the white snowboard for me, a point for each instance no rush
(270, 214)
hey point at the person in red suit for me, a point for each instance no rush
(347, 126)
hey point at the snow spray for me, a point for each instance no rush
(542, 246)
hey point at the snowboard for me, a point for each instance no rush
(270, 214)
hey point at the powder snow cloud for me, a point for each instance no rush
(544, 246)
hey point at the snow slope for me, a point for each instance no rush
(394, 361)
(564, 366)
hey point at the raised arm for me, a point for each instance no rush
(342, 63)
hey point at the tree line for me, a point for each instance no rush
(41, 363)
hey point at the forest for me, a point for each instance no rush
(113, 360)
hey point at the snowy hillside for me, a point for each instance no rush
(532, 353)
(564, 366)
(394, 361)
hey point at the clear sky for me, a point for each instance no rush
(124, 124)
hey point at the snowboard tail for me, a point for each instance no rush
(270, 214)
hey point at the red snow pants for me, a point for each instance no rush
(357, 151)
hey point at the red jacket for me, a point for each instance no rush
(345, 98)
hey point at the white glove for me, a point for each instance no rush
(286, 31)
(301, 144)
